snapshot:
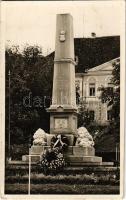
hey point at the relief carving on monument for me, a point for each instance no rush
(62, 36)
(61, 123)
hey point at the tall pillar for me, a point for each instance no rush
(63, 111)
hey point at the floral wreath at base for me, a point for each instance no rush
(52, 160)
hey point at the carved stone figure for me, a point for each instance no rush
(84, 139)
(40, 137)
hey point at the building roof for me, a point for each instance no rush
(108, 66)
(93, 52)
(100, 69)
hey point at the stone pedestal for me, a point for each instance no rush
(74, 155)
(72, 150)
(81, 160)
(83, 151)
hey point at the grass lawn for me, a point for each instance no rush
(61, 189)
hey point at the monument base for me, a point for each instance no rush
(81, 160)
(74, 155)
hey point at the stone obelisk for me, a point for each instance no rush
(63, 111)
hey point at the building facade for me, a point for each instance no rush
(87, 87)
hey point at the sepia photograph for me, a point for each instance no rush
(63, 110)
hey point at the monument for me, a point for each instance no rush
(63, 111)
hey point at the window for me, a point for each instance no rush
(92, 89)
(92, 86)
(92, 115)
(109, 115)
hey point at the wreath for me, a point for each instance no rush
(52, 160)
(60, 141)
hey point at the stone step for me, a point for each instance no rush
(71, 159)
(20, 164)
(85, 164)
(83, 159)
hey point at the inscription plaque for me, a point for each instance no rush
(61, 123)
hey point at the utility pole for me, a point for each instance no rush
(29, 174)
(9, 119)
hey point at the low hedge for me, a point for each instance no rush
(18, 150)
(23, 170)
(63, 179)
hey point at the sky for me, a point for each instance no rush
(34, 22)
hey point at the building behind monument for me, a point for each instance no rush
(94, 64)
(88, 86)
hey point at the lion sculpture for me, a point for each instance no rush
(84, 139)
(40, 137)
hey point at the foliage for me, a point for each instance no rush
(83, 116)
(85, 120)
(62, 189)
(111, 96)
(87, 179)
(60, 141)
(30, 82)
(18, 150)
(52, 161)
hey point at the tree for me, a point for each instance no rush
(83, 116)
(30, 73)
(111, 96)
(86, 119)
